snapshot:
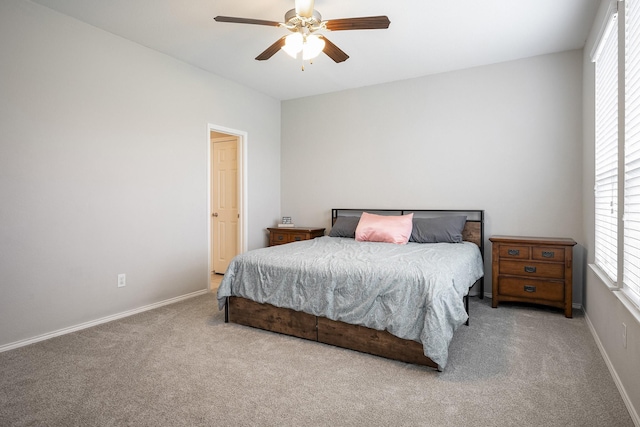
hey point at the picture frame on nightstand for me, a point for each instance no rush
(286, 222)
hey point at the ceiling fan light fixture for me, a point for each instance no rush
(293, 44)
(312, 47)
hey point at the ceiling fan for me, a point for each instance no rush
(303, 22)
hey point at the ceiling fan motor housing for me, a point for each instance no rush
(295, 22)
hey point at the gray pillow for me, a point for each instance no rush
(436, 230)
(345, 226)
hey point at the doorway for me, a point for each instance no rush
(227, 203)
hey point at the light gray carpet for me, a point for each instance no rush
(182, 365)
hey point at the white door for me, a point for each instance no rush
(225, 210)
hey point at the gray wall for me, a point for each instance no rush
(103, 170)
(506, 138)
(605, 312)
(103, 149)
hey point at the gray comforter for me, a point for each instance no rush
(414, 291)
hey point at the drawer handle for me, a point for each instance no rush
(280, 237)
(514, 252)
(529, 288)
(547, 254)
(528, 269)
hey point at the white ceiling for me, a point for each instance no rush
(425, 36)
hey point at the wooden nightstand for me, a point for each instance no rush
(282, 235)
(533, 269)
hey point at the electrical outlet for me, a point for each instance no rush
(624, 335)
(122, 280)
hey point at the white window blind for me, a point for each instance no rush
(606, 155)
(631, 223)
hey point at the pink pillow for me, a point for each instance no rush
(382, 228)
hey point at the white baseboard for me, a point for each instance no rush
(616, 379)
(96, 322)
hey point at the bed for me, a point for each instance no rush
(399, 301)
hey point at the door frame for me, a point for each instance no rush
(242, 190)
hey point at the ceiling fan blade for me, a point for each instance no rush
(246, 21)
(365, 23)
(271, 50)
(304, 8)
(333, 51)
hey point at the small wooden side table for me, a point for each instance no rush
(282, 235)
(533, 269)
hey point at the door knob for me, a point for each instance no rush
(215, 214)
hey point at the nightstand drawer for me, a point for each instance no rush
(547, 254)
(297, 237)
(531, 288)
(532, 269)
(279, 238)
(515, 252)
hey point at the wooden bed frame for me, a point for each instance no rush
(380, 343)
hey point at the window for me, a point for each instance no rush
(617, 162)
(631, 218)
(606, 185)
